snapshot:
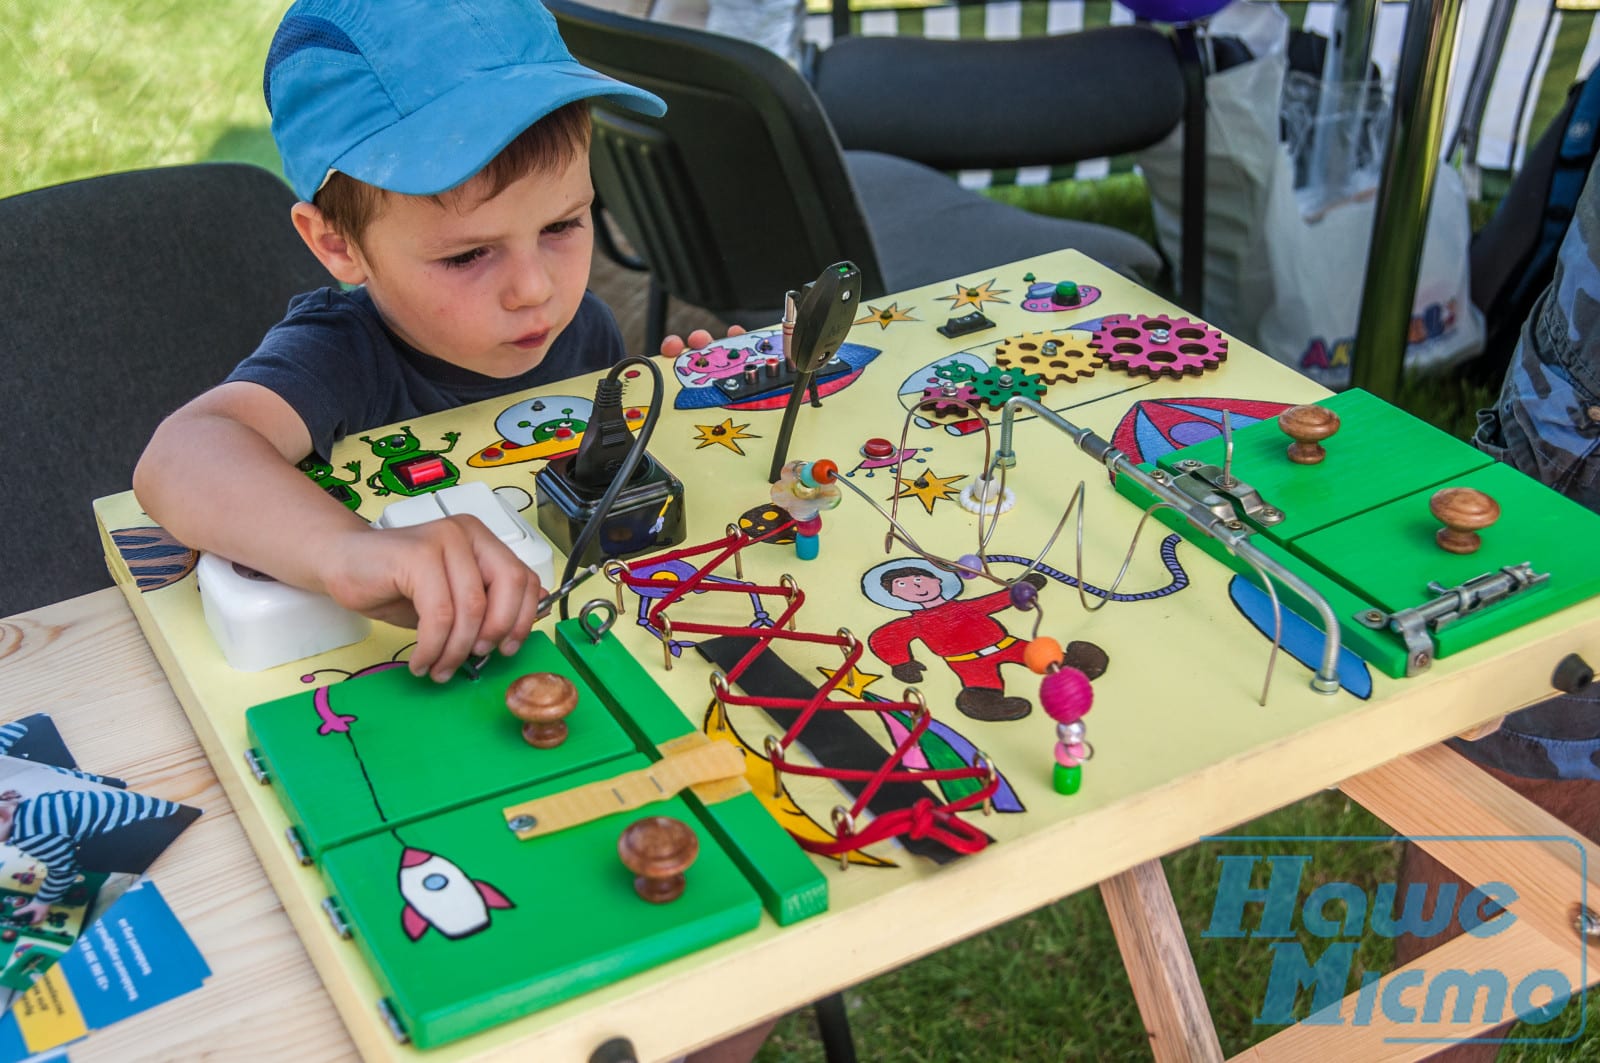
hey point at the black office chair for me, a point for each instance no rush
(123, 297)
(742, 192)
(1033, 101)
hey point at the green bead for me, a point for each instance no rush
(1068, 780)
(1066, 293)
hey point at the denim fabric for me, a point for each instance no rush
(1546, 423)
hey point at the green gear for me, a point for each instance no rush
(997, 384)
(955, 372)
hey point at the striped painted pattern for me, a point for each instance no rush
(50, 826)
(1546, 49)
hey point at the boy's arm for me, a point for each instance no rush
(220, 475)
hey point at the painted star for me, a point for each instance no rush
(853, 684)
(976, 295)
(887, 316)
(927, 487)
(727, 433)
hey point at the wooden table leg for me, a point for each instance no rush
(1160, 966)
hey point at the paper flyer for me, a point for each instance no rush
(135, 957)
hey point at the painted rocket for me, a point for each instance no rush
(439, 894)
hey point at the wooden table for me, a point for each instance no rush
(1159, 787)
(86, 663)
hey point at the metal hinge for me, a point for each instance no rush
(298, 845)
(330, 908)
(258, 768)
(392, 1020)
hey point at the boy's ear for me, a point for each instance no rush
(338, 254)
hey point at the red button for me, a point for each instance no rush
(633, 413)
(419, 472)
(877, 448)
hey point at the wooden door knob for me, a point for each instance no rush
(658, 850)
(1464, 511)
(542, 700)
(1308, 426)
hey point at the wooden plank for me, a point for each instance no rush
(1160, 966)
(1362, 1026)
(1428, 795)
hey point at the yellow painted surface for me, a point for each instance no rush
(1182, 748)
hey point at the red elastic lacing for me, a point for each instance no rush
(926, 819)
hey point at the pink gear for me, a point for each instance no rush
(1158, 345)
(954, 402)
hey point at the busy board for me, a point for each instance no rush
(944, 761)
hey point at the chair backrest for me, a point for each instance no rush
(123, 297)
(739, 192)
(977, 104)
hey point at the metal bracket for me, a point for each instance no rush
(1224, 495)
(1416, 625)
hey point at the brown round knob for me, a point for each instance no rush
(1308, 426)
(1464, 512)
(658, 849)
(542, 700)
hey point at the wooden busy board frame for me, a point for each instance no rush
(1183, 746)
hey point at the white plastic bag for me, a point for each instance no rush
(1318, 273)
(1289, 283)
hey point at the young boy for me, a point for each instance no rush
(440, 152)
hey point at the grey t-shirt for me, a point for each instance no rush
(335, 362)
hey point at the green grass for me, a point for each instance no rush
(96, 86)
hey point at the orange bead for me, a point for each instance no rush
(824, 471)
(1041, 653)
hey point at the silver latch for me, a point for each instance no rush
(1416, 625)
(1224, 494)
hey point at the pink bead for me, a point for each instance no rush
(1078, 749)
(1065, 757)
(1066, 695)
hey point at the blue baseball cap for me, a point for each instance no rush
(417, 96)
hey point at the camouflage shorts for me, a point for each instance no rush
(1546, 423)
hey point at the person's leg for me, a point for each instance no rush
(1576, 802)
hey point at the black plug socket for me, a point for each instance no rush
(606, 440)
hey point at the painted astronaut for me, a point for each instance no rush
(963, 631)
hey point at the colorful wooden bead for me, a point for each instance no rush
(1065, 695)
(1023, 595)
(1067, 780)
(1041, 653)
(969, 565)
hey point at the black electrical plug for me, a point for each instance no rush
(606, 440)
(823, 315)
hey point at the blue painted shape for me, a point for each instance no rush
(1301, 639)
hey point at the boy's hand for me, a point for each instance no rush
(32, 912)
(463, 589)
(673, 346)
